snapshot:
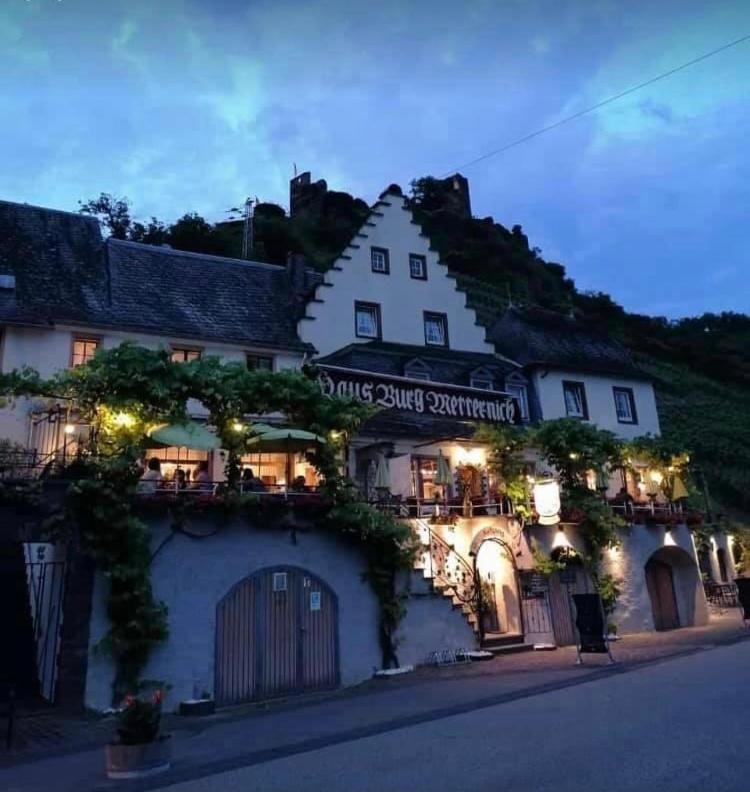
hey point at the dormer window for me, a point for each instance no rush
(416, 369)
(481, 378)
(379, 260)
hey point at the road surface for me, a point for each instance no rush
(681, 725)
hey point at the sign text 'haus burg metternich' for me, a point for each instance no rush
(400, 393)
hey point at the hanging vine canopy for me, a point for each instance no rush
(126, 390)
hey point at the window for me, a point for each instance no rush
(379, 260)
(435, 329)
(259, 362)
(279, 581)
(185, 354)
(481, 382)
(416, 369)
(520, 394)
(366, 320)
(625, 405)
(417, 266)
(84, 350)
(575, 400)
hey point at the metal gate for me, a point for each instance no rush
(32, 586)
(535, 602)
(276, 633)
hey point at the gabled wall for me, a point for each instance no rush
(329, 322)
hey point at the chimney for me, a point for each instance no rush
(296, 267)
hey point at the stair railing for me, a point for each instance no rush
(450, 570)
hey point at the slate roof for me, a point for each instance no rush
(539, 338)
(66, 273)
(446, 365)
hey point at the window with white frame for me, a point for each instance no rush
(84, 350)
(625, 405)
(520, 394)
(481, 378)
(379, 260)
(574, 394)
(417, 266)
(367, 320)
(435, 329)
(259, 362)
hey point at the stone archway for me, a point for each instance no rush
(674, 587)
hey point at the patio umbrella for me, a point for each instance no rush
(679, 490)
(443, 475)
(262, 428)
(185, 434)
(285, 441)
(382, 476)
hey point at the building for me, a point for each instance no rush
(388, 324)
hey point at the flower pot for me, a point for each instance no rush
(138, 761)
(197, 707)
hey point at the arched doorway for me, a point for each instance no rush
(672, 580)
(276, 633)
(500, 603)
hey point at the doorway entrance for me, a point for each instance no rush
(276, 633)
(660, 585)
(500, 612)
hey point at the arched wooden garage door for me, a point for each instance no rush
(276, 633)
(660, 586)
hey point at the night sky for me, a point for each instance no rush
(191, 105)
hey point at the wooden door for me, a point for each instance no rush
(276, 633)
(660, 587)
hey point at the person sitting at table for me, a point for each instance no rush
(201, 478)
(250, 482)
(298, 485)
(152, 478)
(180, 478)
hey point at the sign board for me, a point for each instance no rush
(436, 399)
(314, 600)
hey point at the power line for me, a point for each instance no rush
(604, 102)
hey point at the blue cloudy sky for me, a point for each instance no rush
(190, 105)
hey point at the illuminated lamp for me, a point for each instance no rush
(69, 429)
(547, 501)
(123, 419)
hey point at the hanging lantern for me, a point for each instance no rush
(547, 501)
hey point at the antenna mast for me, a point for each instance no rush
(247, 231)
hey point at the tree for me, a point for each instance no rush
(113, 214)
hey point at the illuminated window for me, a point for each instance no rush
(435, 329)
(84, 350)
(185, 354)
(379, 260)
(367, 320)
(575, 400)
(625, 405)
(259, 362)
(417, 267)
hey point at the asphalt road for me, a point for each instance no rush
(677, 725)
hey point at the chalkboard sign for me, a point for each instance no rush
(743, 595)
(590, 624)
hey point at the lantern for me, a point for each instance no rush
(547, 501)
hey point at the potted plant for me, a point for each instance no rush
(612, 632)
(139, 750)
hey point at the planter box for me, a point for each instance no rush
(195, 707)
(138, 761)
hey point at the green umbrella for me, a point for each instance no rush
(382, 476)
(284, 441)
(186, 434)
(262, 428)
(443, 476)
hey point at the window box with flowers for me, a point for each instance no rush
(140, 750)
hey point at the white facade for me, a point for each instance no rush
(330, 323)
(600, 400)
(50, 351)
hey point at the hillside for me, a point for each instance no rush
(700, 366)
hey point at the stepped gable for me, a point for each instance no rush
(536, 337)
